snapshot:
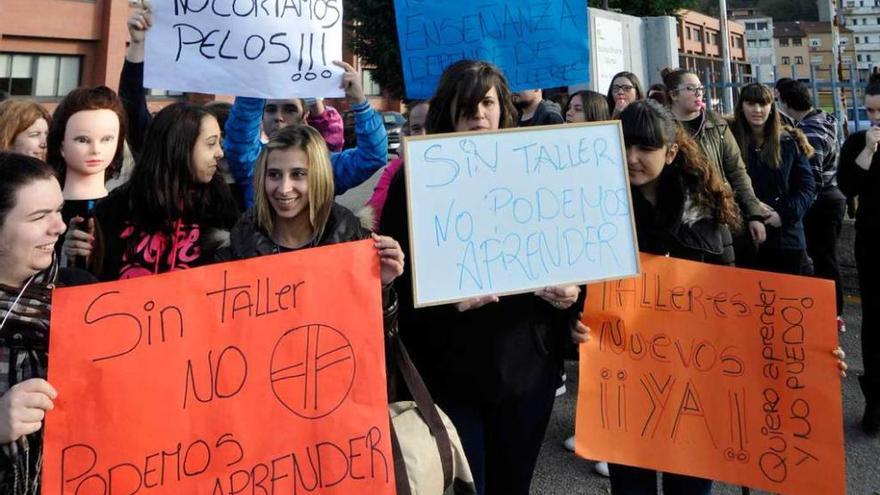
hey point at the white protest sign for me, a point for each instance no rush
(259, 48)
(516, 210)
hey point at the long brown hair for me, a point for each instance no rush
(651, 125)
(771, 148)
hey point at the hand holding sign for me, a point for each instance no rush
(138, 24)
(390, 258)
(351, 82)
(23, 407)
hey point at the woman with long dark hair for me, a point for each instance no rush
(30, 225)
(781, 177)
(684, 95)
(174, 212)
(492, 363)
(859, 176)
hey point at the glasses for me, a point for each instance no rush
(693, 89)
(626, 88)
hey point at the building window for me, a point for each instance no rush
(859, 58)
(752, 43)
(799, 60)
(797, 42)
(688, 30)
(858, 40)
(783, 41)
(786, 60)
(878, 18)
(868, 57)
(739, 42)
(38, 75)
(698, 35)
(763, 25)
(854, 22)
(864, 20)
(371, 87)
(861, 3)
(764, 43)
(750, 26)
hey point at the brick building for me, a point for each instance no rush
(699, 48)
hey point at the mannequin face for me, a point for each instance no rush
(90, 141)
(32, 141)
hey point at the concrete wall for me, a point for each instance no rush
(647, 45)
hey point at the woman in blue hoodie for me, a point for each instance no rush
(781, 177)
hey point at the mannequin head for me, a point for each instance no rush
(86, 140)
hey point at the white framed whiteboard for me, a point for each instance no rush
(516, 210)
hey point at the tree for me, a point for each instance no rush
(790, 10)
(374, 38)
(645, 8)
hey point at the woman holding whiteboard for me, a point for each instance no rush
(30, 225)
(491, 363)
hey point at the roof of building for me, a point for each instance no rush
(799, 29)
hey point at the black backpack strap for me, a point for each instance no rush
(401, 480)
(425, 403)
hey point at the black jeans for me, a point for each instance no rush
(868, 263)
(822, 226)
(790, 261)
(628, 480)
(502, 440)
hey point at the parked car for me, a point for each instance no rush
(394, 123)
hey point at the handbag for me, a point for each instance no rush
(427, 452)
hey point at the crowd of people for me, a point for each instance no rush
(765, 187)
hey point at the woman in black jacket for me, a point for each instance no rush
(294, 208)
(781, 177)
(491, 363)
(682, 209)
(859, 175)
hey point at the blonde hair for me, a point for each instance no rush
(320, 176)
(16, 116)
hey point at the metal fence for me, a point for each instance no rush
(848, 109)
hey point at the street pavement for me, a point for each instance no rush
(561, 472)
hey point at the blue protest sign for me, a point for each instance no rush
(516, 210)
(540, 44)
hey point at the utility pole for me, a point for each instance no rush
(727, 91)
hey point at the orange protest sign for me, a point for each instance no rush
(263, 376)
(715, 372)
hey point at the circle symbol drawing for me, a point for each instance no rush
(312, 370)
